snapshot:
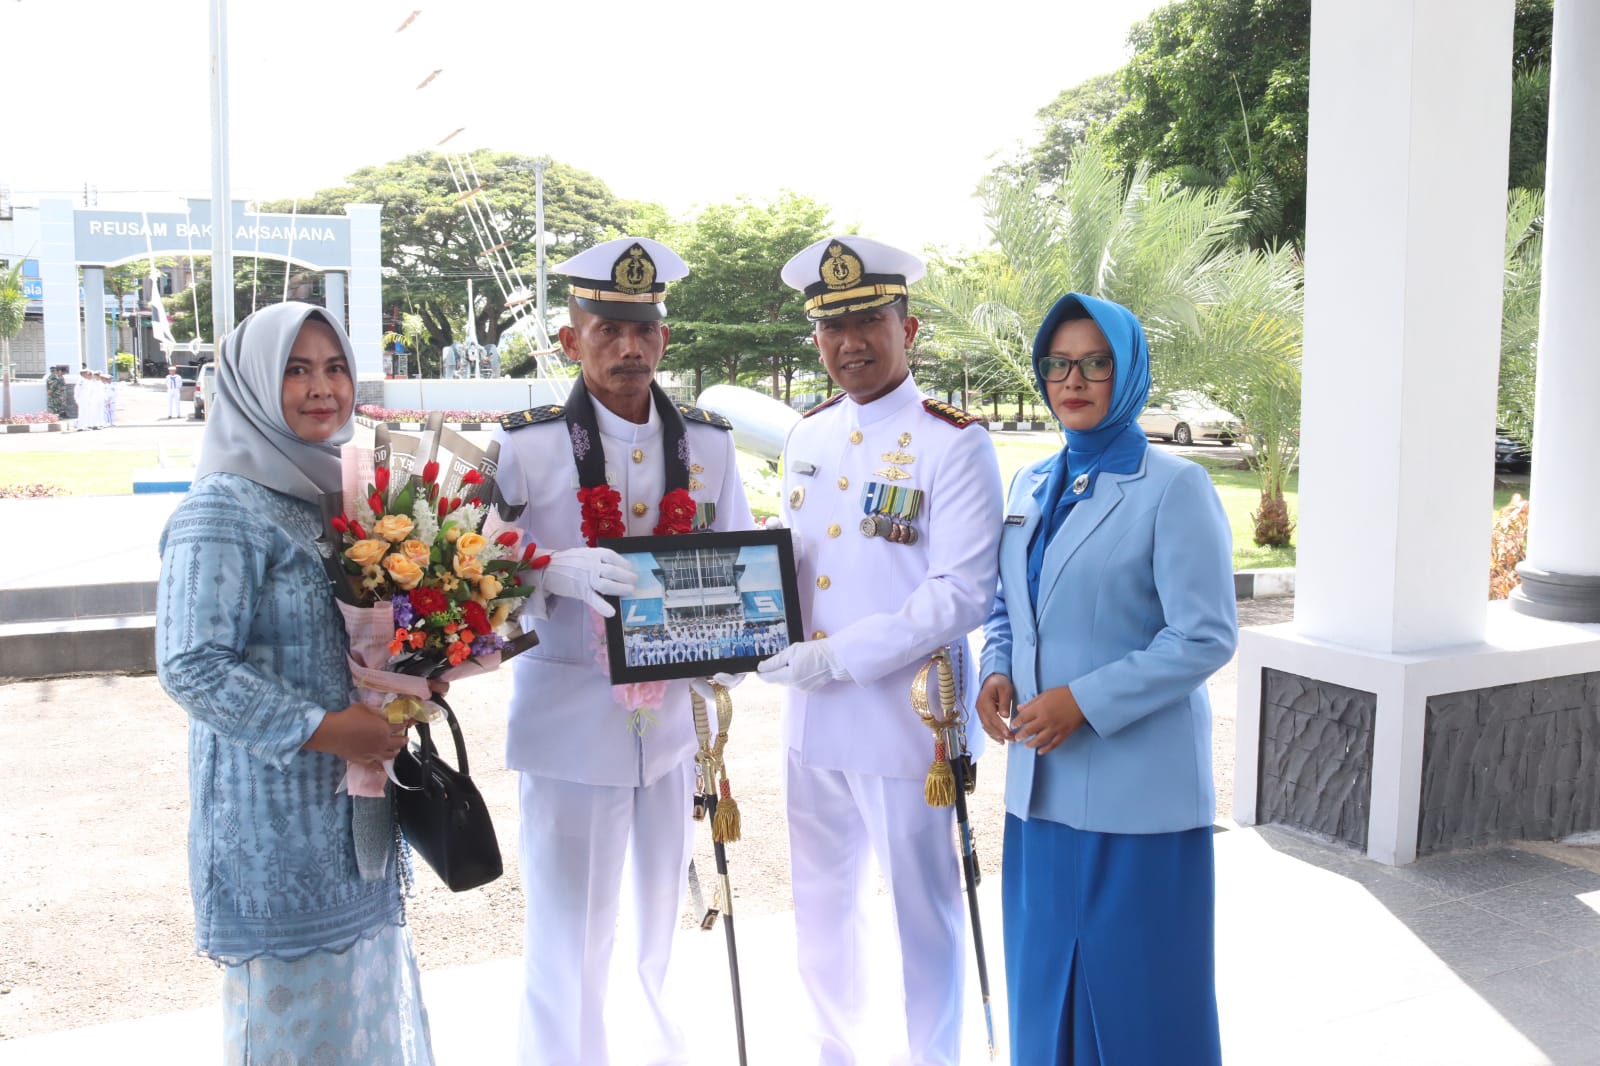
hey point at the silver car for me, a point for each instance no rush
(1185, 417)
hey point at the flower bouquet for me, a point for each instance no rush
(427, 584)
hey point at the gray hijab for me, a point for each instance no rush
(246, 433)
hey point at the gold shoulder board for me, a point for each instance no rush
(954, 415)
(704, 417)
(531, 417)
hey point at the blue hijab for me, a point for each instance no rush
(1117, 443)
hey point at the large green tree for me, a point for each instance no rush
(733, 317)
(1219, 90)
(430, 247)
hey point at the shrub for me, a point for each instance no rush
(30, 492)
(388, 414)
(41, 418)
(1508, 545)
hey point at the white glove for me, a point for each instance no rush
(777, 522)
(587, 574)
(807, 666)
(702, 687)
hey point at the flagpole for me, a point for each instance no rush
(221, 183)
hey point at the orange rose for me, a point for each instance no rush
(393, 528)
(416, 551)
(470, 544)
(489, 587)
(468, 567)
(402, 571)
(366, 552)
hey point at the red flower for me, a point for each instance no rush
(380, 477)
(476, 617)
(476, 501)
(341, 524)
(375, 502)
(355, 528)
(508, 539)
(444, 509)
(472, 477)
(427, 601)
(601, 506)
(677, 513)
(430, 473)
(527, 553)
(540, 563)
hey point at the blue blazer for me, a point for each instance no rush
(1136, 609)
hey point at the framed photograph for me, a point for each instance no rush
(706, 603)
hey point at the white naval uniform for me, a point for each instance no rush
(858, 754)
(174, 395)
(592, 791)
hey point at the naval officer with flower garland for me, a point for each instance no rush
(895, 501)
(605, 774)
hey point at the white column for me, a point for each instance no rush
(1410, 120)
(333, 295)
(58, 274)
(1561, 577)
(366, 289)
(94, 318)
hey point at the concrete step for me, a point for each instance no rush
(119, 644)
(54, 603)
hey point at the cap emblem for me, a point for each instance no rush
(841, 268)
(634, 271)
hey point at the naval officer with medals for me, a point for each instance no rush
(895, 501)
(599, 781)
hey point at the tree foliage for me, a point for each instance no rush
(733, 318)
(1221, 89)
(1221, 319)
(430, 247)
(1519, 324)
(1070, 118)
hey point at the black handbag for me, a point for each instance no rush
(442, 814)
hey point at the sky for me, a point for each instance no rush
(888, 112)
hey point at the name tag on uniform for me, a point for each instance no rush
(803, 467)
(1016, 519)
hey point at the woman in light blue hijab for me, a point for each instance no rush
(1116, 604)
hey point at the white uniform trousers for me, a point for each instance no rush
(835, 818)
(174, 399)
(573, 844)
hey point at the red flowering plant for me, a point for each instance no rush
(428, 586)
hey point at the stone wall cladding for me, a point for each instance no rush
(1316, 756)
(1514, 762)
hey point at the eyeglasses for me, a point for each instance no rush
(1091, 367)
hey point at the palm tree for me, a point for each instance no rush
(1221, 319)
(1519, 328)
(13, 304)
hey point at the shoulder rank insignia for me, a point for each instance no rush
(954, 415)
(532, 416)
(704, 417)
(825, 404)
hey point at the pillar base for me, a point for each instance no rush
(1557, 597)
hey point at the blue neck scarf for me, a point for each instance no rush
(1116, 445)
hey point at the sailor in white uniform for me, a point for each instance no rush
(895, 500)
(602, 781)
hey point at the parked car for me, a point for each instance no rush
(1185, 417)
(205, 386)
(1510, 454)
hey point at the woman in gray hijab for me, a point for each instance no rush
(318, 962)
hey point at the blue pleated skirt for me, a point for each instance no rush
(1110, 946)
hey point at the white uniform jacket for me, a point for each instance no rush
(564, 722)
(887, 606)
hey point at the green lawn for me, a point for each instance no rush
(84, 473)
(111, 474)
